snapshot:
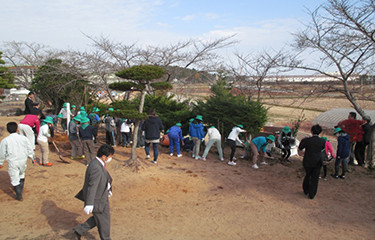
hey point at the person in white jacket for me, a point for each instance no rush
(15, 149)
(232, 142)
(214, 137)
(42, 140)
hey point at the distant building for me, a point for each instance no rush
(308, 78)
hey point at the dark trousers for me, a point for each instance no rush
(101, 220)
(119, 136)
(63, 123)
(110, 138)
(140, 139)
(324, 171)
(344, 162)
(232, 145)
(96, 129)
(286, 153)
(351, 157)
(310, 183)
(359, 152)
(125, 138)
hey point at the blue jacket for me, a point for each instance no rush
(175, 132)
(196, 130)
(261, 143)
(343, 146)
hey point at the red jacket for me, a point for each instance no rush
(32, 121)
(353, 128)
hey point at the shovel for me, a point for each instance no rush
(59, 153)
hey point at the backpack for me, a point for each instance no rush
(93, 121)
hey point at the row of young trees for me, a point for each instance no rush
(222, 109)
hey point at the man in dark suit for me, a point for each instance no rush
(95, 193)
(29, 103)
(312, 160)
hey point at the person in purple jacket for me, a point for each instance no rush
(343, 152)
(175, 137)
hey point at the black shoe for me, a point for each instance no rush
(22, 183)
(18, 191)
(335, 176)
(342, 176)
(78, 236)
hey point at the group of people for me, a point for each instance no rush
(97, 188)
(318, 151)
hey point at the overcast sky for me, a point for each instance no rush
(258, 24)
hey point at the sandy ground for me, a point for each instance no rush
(183, 198)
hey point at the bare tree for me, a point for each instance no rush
(338, 45)
(21, 55)
(114, 56)
(254, 68)
(341, 33)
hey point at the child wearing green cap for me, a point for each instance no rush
(73, 111)
(214, 138)
(64, 116)
(175, 138)
(342, 153)
(42, 140)
(330, 154)
(86, 133)
(232, 142)
(258, 147)
(285, 140)
(74, 138)
(197, 134)
(95, 121)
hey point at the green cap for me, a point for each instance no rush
(286, 130)
(240, 125)
(59, 116)
(191, 119)
(85, 120)
(178, 124)
(82, 108)
(199, 117)
(337, 130)
(271, 137)
(64, 105)
(83, 114)
(77, 118)
(73, 106)
(212, 127)
(97, 110)
(48, 119)
(110, 109)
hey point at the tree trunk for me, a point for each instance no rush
(370, 149)
(134, 156)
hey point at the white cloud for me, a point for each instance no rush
(273, 33)
(211, 16)
(188, 17)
